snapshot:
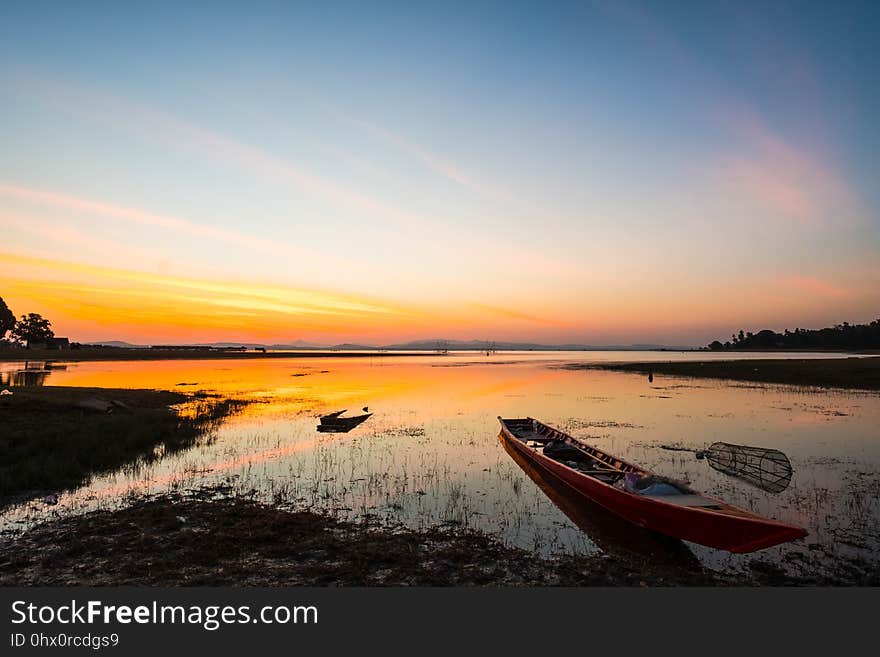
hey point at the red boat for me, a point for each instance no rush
(642, 497)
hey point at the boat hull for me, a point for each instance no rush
(335, 424)
(742, 532)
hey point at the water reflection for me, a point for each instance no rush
(27, 373)
(429, 452)
(28, 378)
(608, 531)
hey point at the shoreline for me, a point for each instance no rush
(198, 539)
(85, 354)
(213, 537)
(119, 353)
(56, 438)
(851, 373)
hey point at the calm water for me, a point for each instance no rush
(430, 454)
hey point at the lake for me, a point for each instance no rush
(430, 452)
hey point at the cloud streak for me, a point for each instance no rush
(89, 295)
(816, 286)
(439, 165)
(151, 219)
(423, 230)
(778, 176)
(520, 316)
(157, 124)
(788, 182)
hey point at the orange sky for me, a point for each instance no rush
(88, 302)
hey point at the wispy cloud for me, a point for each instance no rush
(89, 295)
(146, 218)
(439, 165)
(788, 182)
(156, 124)
(66, 235)
(423, 229)
(781, 177)
(521, 316)
(815, 286)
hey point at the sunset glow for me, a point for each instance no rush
(596, 175)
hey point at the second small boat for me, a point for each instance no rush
(334, 423)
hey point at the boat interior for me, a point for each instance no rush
(604, 467)
(561, 447)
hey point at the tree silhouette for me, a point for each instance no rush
(7, 319)
(32, 328)
(840, 336)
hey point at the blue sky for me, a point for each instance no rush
(625, 171)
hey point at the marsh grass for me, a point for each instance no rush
(47, 443)
(850, 373)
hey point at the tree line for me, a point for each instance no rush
(840, 336)
(32, 328)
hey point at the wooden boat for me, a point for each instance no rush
(611, 533)
(642, 497)
(335, 424)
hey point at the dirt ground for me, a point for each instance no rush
(177, 540)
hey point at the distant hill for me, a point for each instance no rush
(417, 345)
(299, 344)
(481, 345)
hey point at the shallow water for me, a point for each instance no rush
(430, 453)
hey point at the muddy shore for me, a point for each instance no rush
(853, 373)
(202, 540)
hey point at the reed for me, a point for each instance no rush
(50, 444)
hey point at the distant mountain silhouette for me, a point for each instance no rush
(418, 345)
(481, 345)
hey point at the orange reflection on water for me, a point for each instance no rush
(316, 383)
(430, 452)
(152, 483)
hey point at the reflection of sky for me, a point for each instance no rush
(430, 452)
(601, 172)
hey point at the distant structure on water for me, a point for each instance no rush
(50, 343)
(197, 347)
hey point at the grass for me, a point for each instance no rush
(212, 537)
(853, 373)
(47, 443)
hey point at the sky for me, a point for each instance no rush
(593, 172)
